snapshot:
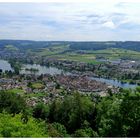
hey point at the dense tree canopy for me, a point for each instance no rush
(115, 115)
(11, 102)
(14, 127)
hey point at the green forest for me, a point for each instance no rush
(115, 115)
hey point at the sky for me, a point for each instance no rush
(115, 20)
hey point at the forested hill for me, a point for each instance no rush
(130, 45)
(27, 44)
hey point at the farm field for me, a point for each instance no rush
(87, 56)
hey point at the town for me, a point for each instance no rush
(70, 69)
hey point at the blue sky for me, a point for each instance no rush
(94, 21)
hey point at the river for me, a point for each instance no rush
(41, 70)
(4, 65)
(115, 83)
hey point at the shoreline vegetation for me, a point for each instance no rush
(108, 80)
(32, 69)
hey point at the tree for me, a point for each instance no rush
(72, 111)
(138, 89)
(57, 130)
(118, 116)
(14, 127)
(87, 132)
(29, 84)
(130, 110)
(109, 119)
(82, 108)
(41, 111)
(56, 112)
(11, 102)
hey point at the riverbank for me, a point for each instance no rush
(54, 71)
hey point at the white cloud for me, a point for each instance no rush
(98, 20)
(109, 24)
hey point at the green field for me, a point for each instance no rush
(38, 95)
(115, 53)
(87, 56)
(10, 48)
(16, 90)
(37, 85)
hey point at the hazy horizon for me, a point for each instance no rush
(71, 40)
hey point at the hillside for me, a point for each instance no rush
(26, 44)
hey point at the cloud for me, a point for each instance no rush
(110, 20)
(109, 24)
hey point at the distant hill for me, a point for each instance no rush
(23, 45)
(130, 45)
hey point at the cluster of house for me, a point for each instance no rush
(80, 83)
(68, 82)
(54, 86)
(13, 83)
(125, 64)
